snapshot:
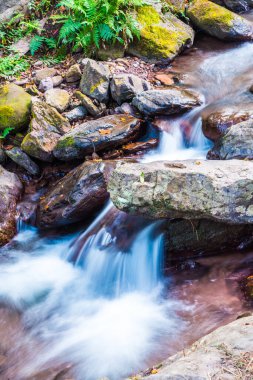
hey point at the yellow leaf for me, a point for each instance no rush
(198, 163)
(104, 131)
(154, 371)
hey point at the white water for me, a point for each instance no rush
(106, 313)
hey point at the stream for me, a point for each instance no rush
(100, 299)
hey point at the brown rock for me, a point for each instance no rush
(165, 79)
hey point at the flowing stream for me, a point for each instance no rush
(98, 299)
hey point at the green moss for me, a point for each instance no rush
(67, 142)
(6, 114)
(211, 14)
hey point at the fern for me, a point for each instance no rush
(36, 43)
(5, 132)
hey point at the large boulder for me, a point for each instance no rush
(8, 8)
(95, 80)
(162, 36)
(219, 22)
(237, 143)
(215, 123)
(10, 190)
(125, 86)
(76, 196)
(96, 135)
(46, 127)
(222, 354)
(166, 102)
(214, 190)
(15, 107)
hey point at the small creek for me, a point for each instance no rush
(100, 298)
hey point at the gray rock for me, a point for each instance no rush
(75, 197)
(2, 156)
(57, 80)
(219, 22)
(213, 190)
(91, 107)
(46, 127)
(73, 74)
(22, 159)
(57, 98)
(46, 84)
(124, 87)
(10, 191)
(8, 8)
(47, 72)
(166, 102)
(95, 80)
(236, 143)
(212, 356)
(96, 135)
(238, 6)
(77, 113)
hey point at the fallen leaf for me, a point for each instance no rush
(154, 371)
(142, 178)
(104, 131)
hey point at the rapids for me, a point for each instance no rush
(99, 299)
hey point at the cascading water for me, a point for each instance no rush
(91, 301)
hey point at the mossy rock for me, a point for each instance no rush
(15, 107)
(219, 22)
(162, 36)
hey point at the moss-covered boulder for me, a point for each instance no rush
(46, 127)
(219, 22)
(162, 36)
(15, 106)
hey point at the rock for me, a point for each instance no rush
(238, 6)
(46, 127)
(2, 156)
(73, 74)
(95, 80)
(212, 356)
(57, 80)
(46, 84)
(9, 8)
(166, 102)
(219, 22)
(15, 107)
(45, 73)
(140, 146)
(96, 135)
(213, 190)
(236, 143)
(249, 287)
(124, 87)
(205, 236)
(110, 52)
(128, 109)
(77, 113)
(216, 123)
(94, 110)
(163, 36)
(22, 159)
(10, 191)
(58, 98)
(165, 79)
(76, 196)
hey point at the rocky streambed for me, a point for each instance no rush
(126, 202)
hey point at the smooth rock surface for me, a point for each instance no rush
(219, 22)
(166, 102)
(58, 99)
(216, 123)
(96, 135)
(95, 80)
(15, 107)
(47, 72)
(73, 74)
(45, 129)
(236, 143)
(224, 354)
(125, 86)
(77, 113)
(76, 196)
(10, 191)
(213, 190)
(22, 159)
(90, 106)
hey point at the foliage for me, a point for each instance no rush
(12, 65)
(38, 41)
(89, 23)
(5, 133)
